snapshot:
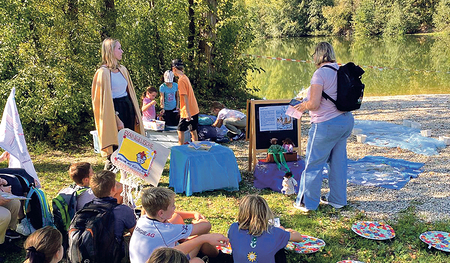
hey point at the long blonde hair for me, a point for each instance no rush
(167, 255)
(108, 58)
(254, 215)
(324, 52)
(43, 245)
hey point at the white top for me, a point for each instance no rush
(118, 85)
(151, 234)
(227, 113)
(327, 78)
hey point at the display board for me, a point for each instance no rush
(267, 119)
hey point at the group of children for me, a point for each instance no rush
(169, 101)
(161, 234)
(235, 121)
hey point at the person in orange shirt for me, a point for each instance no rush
(188, 103)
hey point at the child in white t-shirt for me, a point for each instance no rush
(161, 226)
(234, 120)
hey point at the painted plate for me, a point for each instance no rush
(349, 261)
(373, 230)
(225, 249)
(437, 239)
(307, 246)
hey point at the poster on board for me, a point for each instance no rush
(139, 156)
(274, 118)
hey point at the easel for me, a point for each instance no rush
(259, 135)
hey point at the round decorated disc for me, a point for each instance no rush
(373, 230)
(307, 245)
(437, 239)
(225, 249)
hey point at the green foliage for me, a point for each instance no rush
(339, 16)
(441, 18)
(49, 51)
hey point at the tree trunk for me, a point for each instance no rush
(108, 18)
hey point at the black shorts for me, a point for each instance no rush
(192, 125)
(171, 118)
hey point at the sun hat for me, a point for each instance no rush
(168, 76)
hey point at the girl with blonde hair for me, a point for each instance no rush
(254, 238)
(114, 100)
(44, 246)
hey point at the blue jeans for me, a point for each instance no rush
(327, 143)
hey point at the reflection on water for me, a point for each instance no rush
(416, 64)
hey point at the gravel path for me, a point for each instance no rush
(429, 193)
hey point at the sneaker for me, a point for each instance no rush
(323, 200)
(301, 207)
(238, 136)
(11, 234)
(25, 228)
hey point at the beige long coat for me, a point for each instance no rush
(103, 106)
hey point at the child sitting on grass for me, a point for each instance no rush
(44, 245)
(253, 238)
(163, 227)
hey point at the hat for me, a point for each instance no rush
(177, 63)
(168, 76)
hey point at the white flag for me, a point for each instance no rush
(12, 138)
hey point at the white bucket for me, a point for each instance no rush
(361, 138)
(356, 131)
(425, 133)
(445, 139)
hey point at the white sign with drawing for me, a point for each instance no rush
(274, 118)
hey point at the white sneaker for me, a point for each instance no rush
(301, 207)
(323, 200)
(25, 228)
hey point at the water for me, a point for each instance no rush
(415, 64)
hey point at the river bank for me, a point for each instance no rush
(429, 193)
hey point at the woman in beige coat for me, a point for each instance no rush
(113, 99)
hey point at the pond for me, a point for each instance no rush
(402, 66)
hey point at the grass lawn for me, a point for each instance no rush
(221, 207)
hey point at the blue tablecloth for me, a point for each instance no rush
(193, 171)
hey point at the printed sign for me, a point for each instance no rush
(274, 118)
(139, 156)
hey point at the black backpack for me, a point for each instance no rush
(350, 89)
(91, 235)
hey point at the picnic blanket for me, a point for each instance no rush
(267, 175)
(387, 134)
(381, 171)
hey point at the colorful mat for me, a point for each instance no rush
(307, 246)
(373, 230)
(437, 239)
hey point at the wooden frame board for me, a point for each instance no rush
(266, 120)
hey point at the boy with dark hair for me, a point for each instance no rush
(103, 184)
(155, 229)
(80, 173)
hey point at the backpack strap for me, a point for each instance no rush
(326, 96)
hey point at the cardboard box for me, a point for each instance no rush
(289, 157)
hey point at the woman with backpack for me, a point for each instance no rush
(328, 135)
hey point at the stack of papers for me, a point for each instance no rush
(11, 196)
(201, 145)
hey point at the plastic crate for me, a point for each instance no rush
(96, 144)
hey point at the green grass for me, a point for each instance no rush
(221, 207)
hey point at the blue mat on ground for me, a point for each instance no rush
(387, 134)
(381, 171)
(267, 175)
